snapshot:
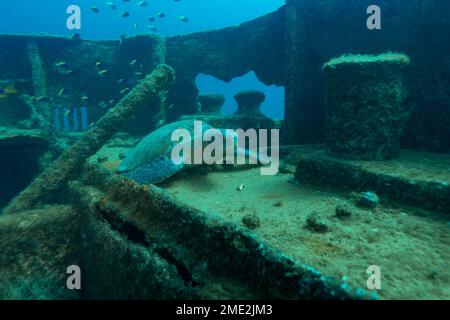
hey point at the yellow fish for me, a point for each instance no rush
(7, 91)
(60, 64)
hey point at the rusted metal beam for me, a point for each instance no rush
(73, 159)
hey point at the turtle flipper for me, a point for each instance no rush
(154, 172)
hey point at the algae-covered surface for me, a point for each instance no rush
(409, 245)
(411, 165)
(366, 59)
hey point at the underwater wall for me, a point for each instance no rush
(286, 48)
(64, 86)
(226, 54)
(290, 46)
(321, 30)
(76, 74)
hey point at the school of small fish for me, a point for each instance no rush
(63, 68)
(143, 4)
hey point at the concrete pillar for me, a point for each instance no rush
(365, 109)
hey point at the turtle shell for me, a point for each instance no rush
(151, 158)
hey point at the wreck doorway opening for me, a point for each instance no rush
(272, 107)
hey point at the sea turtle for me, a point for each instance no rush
(150, 162)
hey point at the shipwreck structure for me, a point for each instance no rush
(144, 234)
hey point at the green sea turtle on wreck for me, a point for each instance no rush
(150, 162)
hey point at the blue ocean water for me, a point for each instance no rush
(273, 107)
(49, 16)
